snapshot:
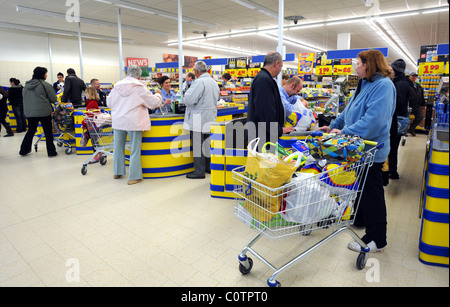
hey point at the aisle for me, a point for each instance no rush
(170, 232)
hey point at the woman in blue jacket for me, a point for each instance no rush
(369, 115)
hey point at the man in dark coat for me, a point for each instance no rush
(405, 89)
(73, 88)
(416, 104)
(265, 108)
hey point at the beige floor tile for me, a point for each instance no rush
(154, 235)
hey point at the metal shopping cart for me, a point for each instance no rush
(404, 125)
(60, 140)
(101, 133)
(308, 203)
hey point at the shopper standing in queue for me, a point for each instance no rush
(369, 115)
(38, 97)
(129, 101)
(201, 110)
(95, 83)
(3, 112)
(265, 106)
(73, 89)
(16, 100)
(405, 91)
(416, 103)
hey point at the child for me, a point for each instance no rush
(92, 99)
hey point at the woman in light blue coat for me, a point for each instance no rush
(369, 115)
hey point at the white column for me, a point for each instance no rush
(50, 56)
(343, 41)
(119, 30)
(80, 51)
(180, 47)
(280, 48)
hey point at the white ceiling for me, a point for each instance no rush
(226, 15)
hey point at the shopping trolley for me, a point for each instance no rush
(101, 134)
(60, 141)
(308, 203)
(404, 125)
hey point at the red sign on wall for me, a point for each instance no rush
(137, 61)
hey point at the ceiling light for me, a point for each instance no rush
(60, 32)
(367, 2)
(436, 11)
(343, 21)
(45, 13)
(257, 7)
(153, 11)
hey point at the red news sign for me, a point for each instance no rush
(137, 61)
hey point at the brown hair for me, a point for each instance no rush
(92, 92)
(296, 80)
(376, 63)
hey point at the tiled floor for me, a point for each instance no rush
(170, 232)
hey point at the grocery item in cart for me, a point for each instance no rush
(63, 117)
(308, 201)
(271, 172)
(336, 147)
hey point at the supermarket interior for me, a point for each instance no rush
(286, 216)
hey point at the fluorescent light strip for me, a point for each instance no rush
(221, 48)
(45, 13)
(436, 11)
(344, 21)
(60, 32)
(153, 11)
(255, 6)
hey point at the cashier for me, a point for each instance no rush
(226, 77)
(166, 93)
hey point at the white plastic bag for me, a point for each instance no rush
(305, 117)
(309, 201)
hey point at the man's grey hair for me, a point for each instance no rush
(271, 58)
(201, 67)
(134, 71)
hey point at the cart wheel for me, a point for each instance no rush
(403, 142)
(361, 261)
(245, 270)
(84, 170)
(68, 151)
(59, 143)
(103, 160)
(275, 284)
(35, 147)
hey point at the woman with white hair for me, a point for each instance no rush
(129, 101)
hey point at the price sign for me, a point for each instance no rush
(342, 69)
(252, 72)
(232, 72)
(242, 73)
(446, 68)
(324, 70)
(431, 68)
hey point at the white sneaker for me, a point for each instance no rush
(354, 246)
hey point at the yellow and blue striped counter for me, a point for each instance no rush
(78, 116)
(434, 233)
(227, 154)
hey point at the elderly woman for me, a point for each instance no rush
(201, 110)
(369, 115)
(129, 102)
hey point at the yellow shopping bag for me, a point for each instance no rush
(267, 173)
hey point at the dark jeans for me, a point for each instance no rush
(27, 142)
(202, 155)
(20, 118)
(372, 207)
(418, 117)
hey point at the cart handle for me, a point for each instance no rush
(372, 143)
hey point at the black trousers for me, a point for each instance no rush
(393, 154)
(27, 142)
(20, 118)
(3, 121)
(418, 117)
(201, 149)
(372, 212)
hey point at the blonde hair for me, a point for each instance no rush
(92, 93)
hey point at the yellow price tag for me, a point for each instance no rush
(324, 70)
(446, 68)
(232, 72)
(431, 68)
(252, 72)
(242, 73)
(342, 69)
